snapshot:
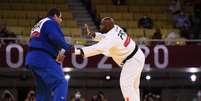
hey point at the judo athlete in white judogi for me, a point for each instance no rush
(115, 43)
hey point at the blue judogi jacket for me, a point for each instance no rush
(47, 36)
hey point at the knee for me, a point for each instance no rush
(122, 82)
(59, 83)
(62, 82)
(65, 82)
(124, 77)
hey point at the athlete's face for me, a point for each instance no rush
(58, 18)
(105, 26)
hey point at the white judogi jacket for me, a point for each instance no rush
(115, 43)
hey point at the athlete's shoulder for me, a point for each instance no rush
(49, 21)
(50, 24)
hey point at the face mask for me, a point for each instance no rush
(199, 93)
(77, 95)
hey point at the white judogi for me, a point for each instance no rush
(118, 45)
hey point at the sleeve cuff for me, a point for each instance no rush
(77, 51)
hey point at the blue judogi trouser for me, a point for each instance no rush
(51, 84)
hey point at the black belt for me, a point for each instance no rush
(131, 55)
(42, 50)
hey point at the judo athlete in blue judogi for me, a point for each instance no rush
(46, 40)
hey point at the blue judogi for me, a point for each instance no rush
(45, 42)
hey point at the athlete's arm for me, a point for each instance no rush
(55, 35)
(98, 48)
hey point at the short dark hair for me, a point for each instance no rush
(54, 11)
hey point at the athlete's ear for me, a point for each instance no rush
(54, 17)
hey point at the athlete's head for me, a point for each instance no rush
(55, 13)
(107, 23)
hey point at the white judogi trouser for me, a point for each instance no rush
(130, 76)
